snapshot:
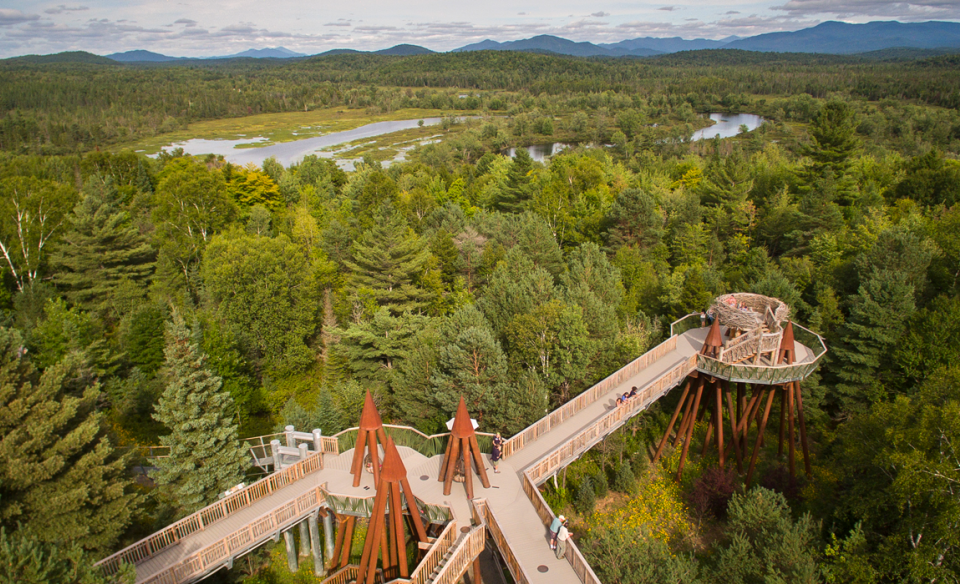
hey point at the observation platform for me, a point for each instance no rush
(511, 512)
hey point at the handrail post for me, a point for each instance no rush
(291, 441)
(317, 441)
(275, 453)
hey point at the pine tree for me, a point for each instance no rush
(386, 261)
(327, 415)
(513, 197)
(206, 457)
(25, 559)
(102, 251)
(59, 475)
(635, 220)
(877, 321)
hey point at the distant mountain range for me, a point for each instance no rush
(828, 37)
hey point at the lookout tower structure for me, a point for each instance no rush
(750, 341)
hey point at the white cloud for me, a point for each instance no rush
(909, 10)
(600, 14)
(9, 17)
(62, 8)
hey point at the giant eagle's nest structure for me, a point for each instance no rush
(745, 311)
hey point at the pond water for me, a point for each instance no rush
(245, 150)
(541, 152)
(727, 126)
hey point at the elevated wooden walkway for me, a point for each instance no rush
(511, 511)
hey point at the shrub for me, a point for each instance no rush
(712, 491)
(625, 481)
(586, 497)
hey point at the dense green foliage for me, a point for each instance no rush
(513, 283)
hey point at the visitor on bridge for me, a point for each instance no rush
(562, 536)
(497, 454)
(554, 529)
(633, 392)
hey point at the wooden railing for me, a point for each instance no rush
(241, 541)
(586, 438)
(503, 544)
(433, 558)
(572, 554)
(205, 517)
(459, 562)
(574, 406)
(344, 575)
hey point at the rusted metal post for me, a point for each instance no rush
(735, 438)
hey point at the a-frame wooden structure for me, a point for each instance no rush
(371, 428)
(742, 415)
(386, 537)
(462, 447)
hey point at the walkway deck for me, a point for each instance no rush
(523, 529)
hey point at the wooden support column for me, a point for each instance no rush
(685, 422)
(791, 449)
(476, 571)
(673, 420)
(690, 426)
(763, 427)
(783, 419)
(345, 528)
(803, 432)
(734, 437)
(718, 418)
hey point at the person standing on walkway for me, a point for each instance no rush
(562, 536)
(495, 456)
(554, 528)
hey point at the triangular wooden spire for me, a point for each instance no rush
(370, 417)
(461, 445)
(788, 349)
(462, 426)
(388, 540)
(371, 428)
(711, 346)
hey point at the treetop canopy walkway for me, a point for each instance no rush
(326, 482)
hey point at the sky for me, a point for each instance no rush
(194, 28)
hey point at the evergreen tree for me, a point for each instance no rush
(327, 415)
(471, 363)
(102, 252)
(206, 458)
(513, 197)
(386, 262)
(834, 138)
(25, 559)
(517, 286)
(766, 544)
(375, 348)
(877, 321)
(59, 474)
(635, 219)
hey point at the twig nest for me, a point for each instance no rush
(745, 311)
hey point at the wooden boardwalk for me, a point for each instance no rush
(513, 511)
